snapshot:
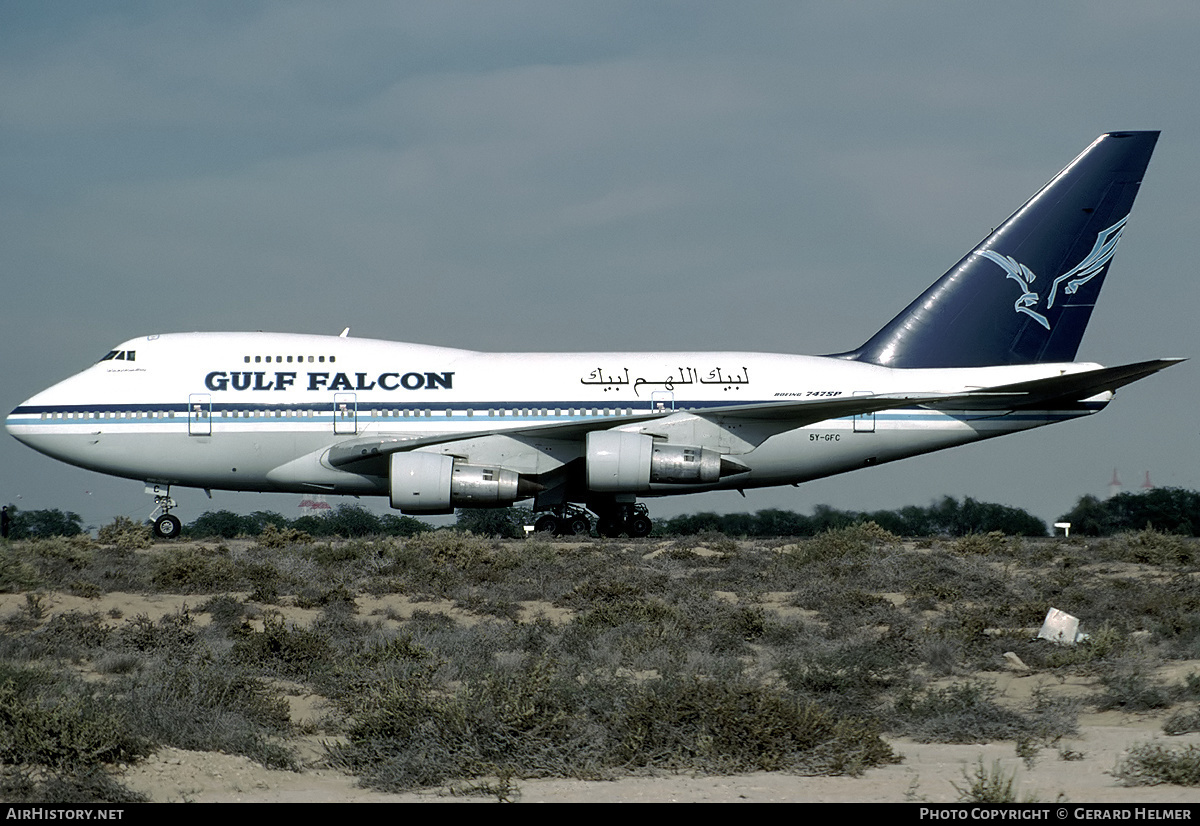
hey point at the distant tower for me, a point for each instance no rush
(1146, 484)
(1114, 487)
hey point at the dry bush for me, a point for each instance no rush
(192, 569)
(1150, 547)
(203, 705)
(1130, 686)
(126, 535)
(968, 712)
(17, 572)
(537, 718)
(276, 537)
(67, 728)
(457, 549)
(854, 540)
(1153, 764)
(994, 786)
(284, 648)
(994, 543)
(1183, 721)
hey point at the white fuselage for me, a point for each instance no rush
(260, 411)
(435, 428)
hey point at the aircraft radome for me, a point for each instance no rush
(987, 350)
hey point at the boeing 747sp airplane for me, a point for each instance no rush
(987, 350)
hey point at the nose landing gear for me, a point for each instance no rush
(166, 526)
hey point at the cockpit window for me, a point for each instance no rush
(120, 355)
(112, 354)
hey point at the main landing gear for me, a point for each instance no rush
(166, 526)
(571, 520)
(628, 518)
(566, 520)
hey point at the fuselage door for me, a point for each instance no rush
(200, 414)
(864, 422)
(662, 400)
(345, 414)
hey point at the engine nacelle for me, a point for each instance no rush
(623, 462)
(433, 483)
(684, 465)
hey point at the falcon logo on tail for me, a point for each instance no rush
(1087, 269)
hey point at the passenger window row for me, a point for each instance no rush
(375, 413)
(289, 359)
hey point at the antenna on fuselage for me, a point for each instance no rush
(345, 333)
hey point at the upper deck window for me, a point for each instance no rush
(247, 359)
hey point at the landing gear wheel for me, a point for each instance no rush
(579, 526)
(609, 527)
(639, 526)
(546, 525)
(167, 526)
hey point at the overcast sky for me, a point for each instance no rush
(767, 176)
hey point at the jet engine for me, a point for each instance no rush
(433, 483)
(623, 462)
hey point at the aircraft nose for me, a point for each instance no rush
(21, 422)
(12, 422)
(26, 421)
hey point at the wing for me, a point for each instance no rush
(355, 452)
(1060, 390)
(367, 455)
(359, 454)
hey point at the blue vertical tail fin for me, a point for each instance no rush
(1025, 294)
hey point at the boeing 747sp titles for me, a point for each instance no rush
(987, 350)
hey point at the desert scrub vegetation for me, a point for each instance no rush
(59, 738)
(125, 534)
(447, 657)
(991, 785)
(542, 716)
(970, 712)
(1149, 546)
(1154, 764)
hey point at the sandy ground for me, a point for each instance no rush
(927, 773)
(931, 773)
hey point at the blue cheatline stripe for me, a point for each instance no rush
(325, 412)
(916, 411)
